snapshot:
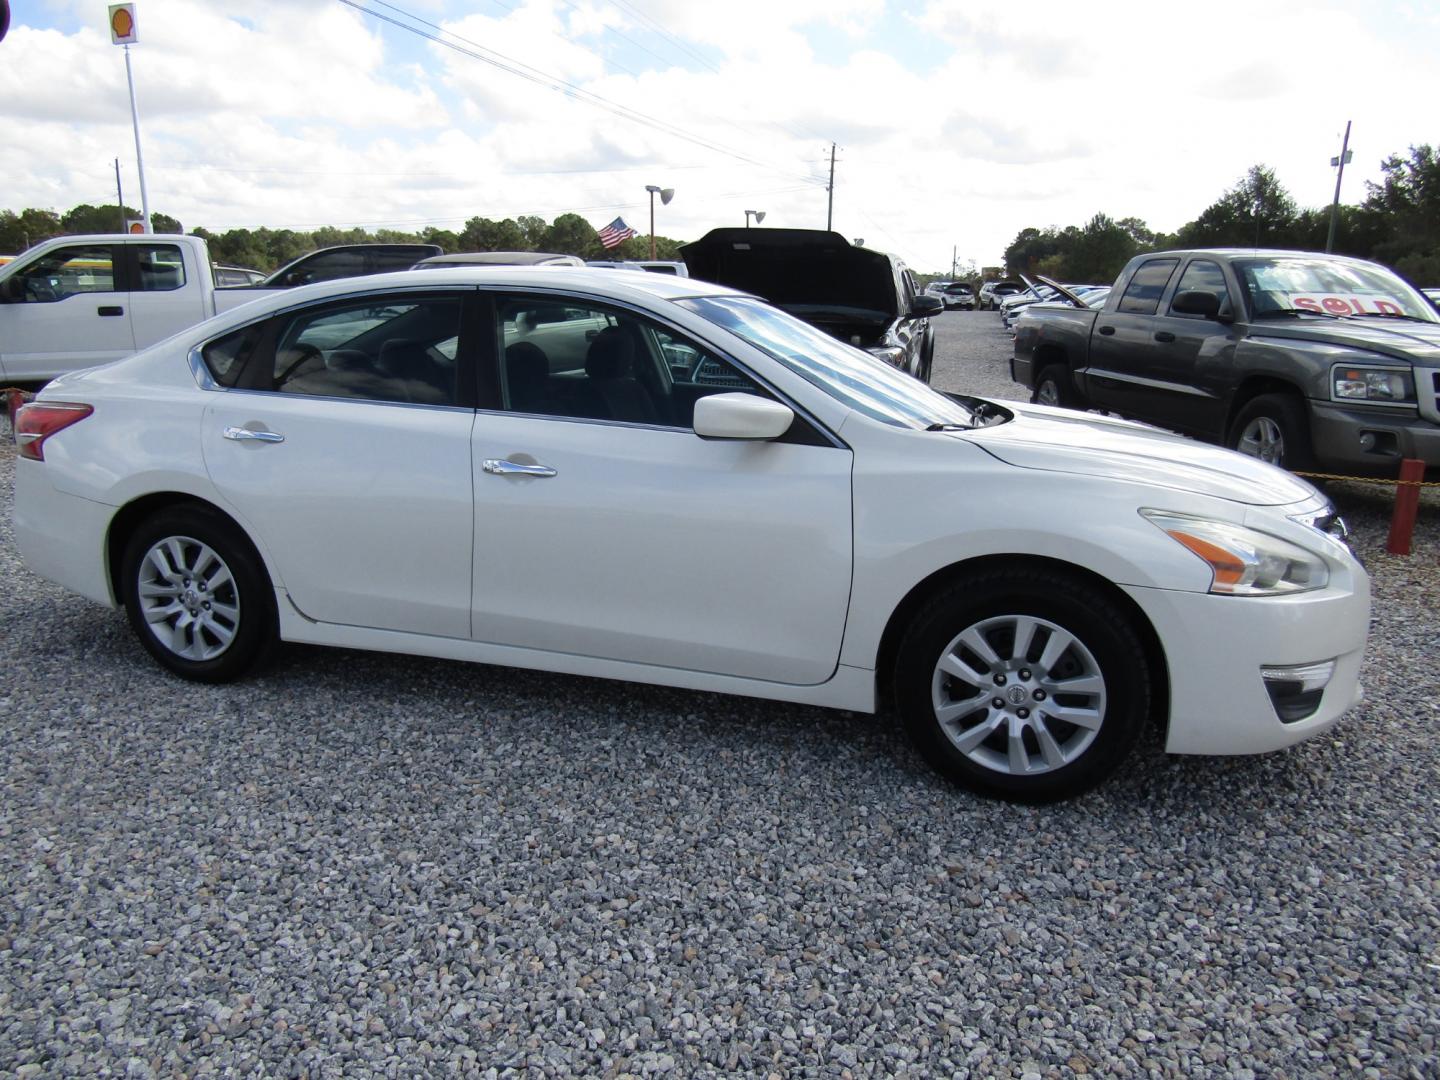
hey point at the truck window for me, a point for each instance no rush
(158, 267)
(1142, 295)
(1202, 275)
(65, 272)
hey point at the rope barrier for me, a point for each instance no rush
(1393, 482)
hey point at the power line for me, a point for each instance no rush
(550, 82)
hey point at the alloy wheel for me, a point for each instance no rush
(188, 598)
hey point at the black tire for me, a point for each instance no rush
(986, 607)
(211, 617)
(1272, 427)
(1053, 386)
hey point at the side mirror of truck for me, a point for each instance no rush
(925, 306)
(1196, 303)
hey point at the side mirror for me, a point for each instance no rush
(924, 306)
(741, 416)
(1196, 303)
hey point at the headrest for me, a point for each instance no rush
(526, 369)
(611, 355)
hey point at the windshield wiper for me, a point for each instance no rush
(1390, 315)
(938, 426)
(1296, 311)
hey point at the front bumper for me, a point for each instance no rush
(1370, 440)
(1215, 647)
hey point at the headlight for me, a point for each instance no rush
(1244, 561)
(893, 355)
(1350, 383)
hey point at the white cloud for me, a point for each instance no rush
(959, 123)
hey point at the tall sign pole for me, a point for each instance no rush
(122, 32)
(1340, 162)
(120, 197)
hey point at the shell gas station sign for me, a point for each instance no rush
(122, 24)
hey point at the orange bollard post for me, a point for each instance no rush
(1407, 504)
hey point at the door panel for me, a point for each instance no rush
(365, 506)
(657, 547)
(66, 312)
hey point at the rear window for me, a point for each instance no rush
(225, 357)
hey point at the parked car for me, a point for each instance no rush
(498, 258)
(1433, 295)
(866, 298)
(958, 294)
(673, 267)
(1302, 359)
(236, 275)
(76, 301)
(349, 260)
(716, 495)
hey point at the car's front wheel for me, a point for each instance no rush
(197, 595)
(1024, 684)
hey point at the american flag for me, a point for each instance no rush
(617, 232)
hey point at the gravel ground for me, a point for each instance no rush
(371, 865)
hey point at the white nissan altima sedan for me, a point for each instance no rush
(655, 479)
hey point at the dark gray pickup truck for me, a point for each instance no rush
(1301, 359)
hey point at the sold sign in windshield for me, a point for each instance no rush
(1336, 304)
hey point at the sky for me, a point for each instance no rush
(957, 123)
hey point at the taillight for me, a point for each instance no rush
(37, 421)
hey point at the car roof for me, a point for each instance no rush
(596, 283)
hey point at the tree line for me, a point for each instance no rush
(269, 249)
(1398, 224)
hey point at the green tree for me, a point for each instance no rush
(1404, 210)
(1100, 251)
(26, 229)
(571, 234)
(484, 234)
(1256, 212)
(448, 240)
(108, 219)
(533, 229)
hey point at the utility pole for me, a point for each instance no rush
(120, 198)
(954, 260)
(830, 191)
(1340, 161)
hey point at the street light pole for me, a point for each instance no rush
(1340, 162)
(666, 194)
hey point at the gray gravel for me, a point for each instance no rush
(373, 865)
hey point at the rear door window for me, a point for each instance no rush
(1147, 285)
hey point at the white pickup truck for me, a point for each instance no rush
(77, 301)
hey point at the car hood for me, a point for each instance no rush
(803, 271)
(1087, 444)
(1416, 341)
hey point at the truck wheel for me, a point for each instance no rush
(1272, 428)
(1024, 684)
(1053, 387)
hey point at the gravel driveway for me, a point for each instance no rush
(361, 864)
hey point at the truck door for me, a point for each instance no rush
(1191, 358)
(166, 293)
(1121, 373)
(65, 308)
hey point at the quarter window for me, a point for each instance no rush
(401, 350)
(65, 272)
(1142, 295)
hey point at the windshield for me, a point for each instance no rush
(1327, 287)
(847, 374)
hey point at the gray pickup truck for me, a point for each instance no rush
(1300, 359)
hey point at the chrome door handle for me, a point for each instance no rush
(501, 467)
(240, 434)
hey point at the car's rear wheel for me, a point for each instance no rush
(197, 595)
(1024, 684)
(1272, 428)
(1053, 387)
